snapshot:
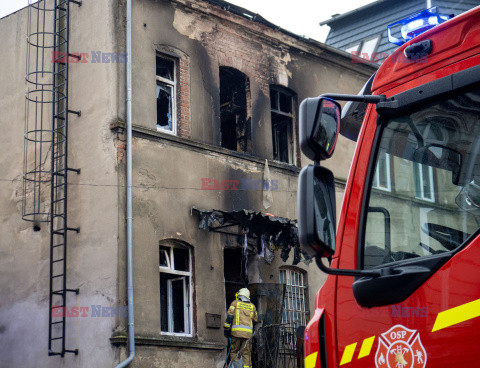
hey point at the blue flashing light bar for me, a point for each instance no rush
(416, 24)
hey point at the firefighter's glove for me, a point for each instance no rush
(227, 327)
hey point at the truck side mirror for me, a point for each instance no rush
(316, 211)
(319, 127)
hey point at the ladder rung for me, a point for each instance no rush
(60, 8)
(58, 232)
(56, 338)
(58, 260)
(55, 323)
(58, 200)
(57, 306)
(55, 276)
(58, 245)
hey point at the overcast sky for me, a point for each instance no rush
(299, 16)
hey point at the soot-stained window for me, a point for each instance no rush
(234, 99)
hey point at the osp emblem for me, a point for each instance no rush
(400, 347)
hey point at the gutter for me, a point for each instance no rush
(131, 324)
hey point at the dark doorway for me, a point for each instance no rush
(235, 277)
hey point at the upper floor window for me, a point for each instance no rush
(365, 49)
(234, 110)
(175, 266)
(423, 177)
(381, 179)
(282, 111)
(166, 94)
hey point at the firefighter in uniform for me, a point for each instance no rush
(239, 325)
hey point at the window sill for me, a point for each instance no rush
(169, 341)
(143, 132)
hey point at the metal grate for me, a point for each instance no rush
(295, 312)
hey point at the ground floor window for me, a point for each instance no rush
(295, 311)
(175, 289)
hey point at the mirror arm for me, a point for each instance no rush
(357, 98)
(340, 272)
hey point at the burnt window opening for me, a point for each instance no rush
(235, 122)
(235, 277)
(175, 290)
(282, 113)
(166, 94)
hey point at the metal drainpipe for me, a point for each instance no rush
(131, 324)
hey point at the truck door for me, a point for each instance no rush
(416, 218)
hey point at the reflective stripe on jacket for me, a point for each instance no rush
(244, 314)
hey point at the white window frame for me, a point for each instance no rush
(173, 85)
(296, 289)
(376, 177)
(374, 49)
(188, 298)
(418, 175)
(359, 47)
(291, 135)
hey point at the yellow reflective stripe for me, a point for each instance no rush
(246, 306)
(457, 315)
(242, 328)
(227, 325)
(311, 360)
(366, 347)
(348, 353)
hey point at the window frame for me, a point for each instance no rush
(291, 135)
(172, 84)
(302, 279)
(376, 178)
(357, 48)
(406, 102)
(188, 289)
(419, 180)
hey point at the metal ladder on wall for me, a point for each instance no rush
(59, 166)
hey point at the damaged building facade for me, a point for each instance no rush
(216, 94)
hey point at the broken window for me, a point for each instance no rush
(175, 289)
(295, 308)
(166, 94)
(235, 122)
(281, 101)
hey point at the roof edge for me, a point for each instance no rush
(351, 12)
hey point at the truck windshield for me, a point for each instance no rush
(424, 193)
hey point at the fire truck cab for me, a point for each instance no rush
(403, 289)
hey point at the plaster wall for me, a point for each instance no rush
(92, 201)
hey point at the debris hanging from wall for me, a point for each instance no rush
(264, 233)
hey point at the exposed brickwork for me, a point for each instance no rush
(184, 124)
(119, 140)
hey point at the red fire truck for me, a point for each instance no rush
(403, 264)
